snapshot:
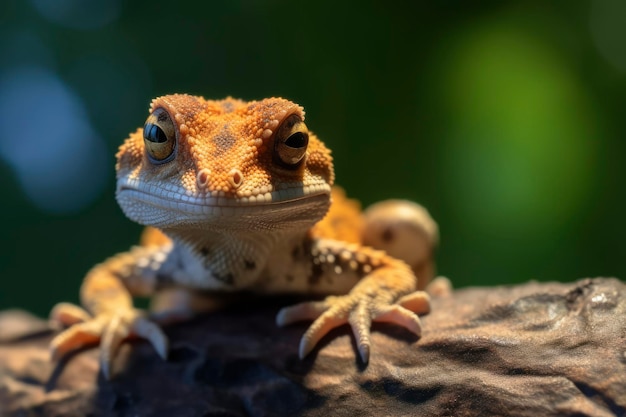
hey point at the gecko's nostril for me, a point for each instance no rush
(235, 178)
(203, 177)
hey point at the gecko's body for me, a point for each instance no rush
(239, 190)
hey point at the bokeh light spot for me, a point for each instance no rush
(521, 144)
(58, 158)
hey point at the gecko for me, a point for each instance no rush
(240, 196)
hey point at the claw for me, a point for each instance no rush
(335, 311)
(109, 330)
(114, 334)
(360, 320)
(148, 330)
(325, 323)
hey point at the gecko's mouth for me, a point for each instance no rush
(132, 192)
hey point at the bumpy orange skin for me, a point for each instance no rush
(225, 148)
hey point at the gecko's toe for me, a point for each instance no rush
(358, 311)
(325, 323)
(116, 331)
(309, 310)
(66, 314)
(401, 316)
(109, 330)
(76, 337)
(440, 287)
(121, 327)
(360, 320)
(418, 302)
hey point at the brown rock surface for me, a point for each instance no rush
(528, 350)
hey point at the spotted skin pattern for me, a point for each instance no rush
(237, 196)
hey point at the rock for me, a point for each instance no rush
(530, 350)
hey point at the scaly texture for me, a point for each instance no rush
(235, 194)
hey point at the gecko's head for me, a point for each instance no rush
(224, 163)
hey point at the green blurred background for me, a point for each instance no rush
(504, 118)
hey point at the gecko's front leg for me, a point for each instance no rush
(108, 317)
(385, 291)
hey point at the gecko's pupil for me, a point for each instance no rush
(154, 133)
(297, 140)
(290, 142)
(159, 136)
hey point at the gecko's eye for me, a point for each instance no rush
(159, 136)
(291, 141)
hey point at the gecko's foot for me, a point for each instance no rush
(107, 329)
(358, 310)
